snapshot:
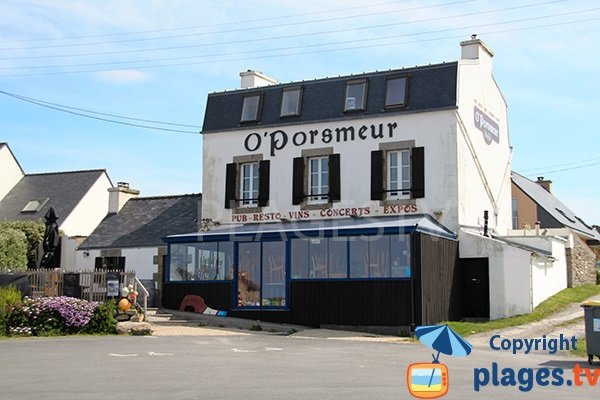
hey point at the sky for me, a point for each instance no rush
(156, 61)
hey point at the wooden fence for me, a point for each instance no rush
(88, 285)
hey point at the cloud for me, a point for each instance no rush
(123, 76)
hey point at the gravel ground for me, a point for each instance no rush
(182, 330)
(163, 325)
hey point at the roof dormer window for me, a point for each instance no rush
(34, 205)
(395, 95)
(251, 107)
(290, 102)
(356, 95)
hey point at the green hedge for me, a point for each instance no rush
(34, 234)
(13, 250)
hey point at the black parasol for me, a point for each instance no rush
(51, 241)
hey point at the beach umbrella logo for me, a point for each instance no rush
(428, 380)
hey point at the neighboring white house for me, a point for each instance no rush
(79, 198)
(11, 170)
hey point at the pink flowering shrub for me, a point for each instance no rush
(58, 315)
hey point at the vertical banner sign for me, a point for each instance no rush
(486, 124)
(112, 284)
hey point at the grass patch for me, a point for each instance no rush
(574, 321)
(581, 349)
(550, 306)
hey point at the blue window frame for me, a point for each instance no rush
(204, 261)
(261, 271)
(342, 257)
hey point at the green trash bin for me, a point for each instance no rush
(591, 311)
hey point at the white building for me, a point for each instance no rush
(365, 185)
(79, 198)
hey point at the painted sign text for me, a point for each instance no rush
(325, 213)
(277, 140)
(489, 127)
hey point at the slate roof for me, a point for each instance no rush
(144, 221)
(430, 87)
(63, 191)
(555, 214)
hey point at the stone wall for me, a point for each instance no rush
(581, 264)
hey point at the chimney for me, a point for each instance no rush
(251, 79)
(475, 49)
(546, 184)
(118, 196)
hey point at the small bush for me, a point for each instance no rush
(9, 298)
(103, 321)
(597, 276)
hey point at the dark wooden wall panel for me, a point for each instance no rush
(359, 303)
(439, 280)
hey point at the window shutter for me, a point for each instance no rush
(377, 175)
(298, 181)
(98, 262)
(417, 172)
(121, 263)
(230, 185)
(334, 177)
(263, 183)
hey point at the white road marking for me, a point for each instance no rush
(273, 349)
(242, 351)
(151, 353)
(123, 355)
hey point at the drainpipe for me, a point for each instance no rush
(485, 223)
(531, 261)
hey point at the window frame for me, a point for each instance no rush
(34, 205)
(301, 179)
(257, 113)
(363, 103)
(387, 104)
(110, 263)
(368, 265)
(191, 255)
(322, 197)
(515, 213)
(234, 185)
(379, 179)
(288, 91)
(400, 193)
(254, 180)
(259, 290)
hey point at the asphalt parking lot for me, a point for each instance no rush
(228, 364)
